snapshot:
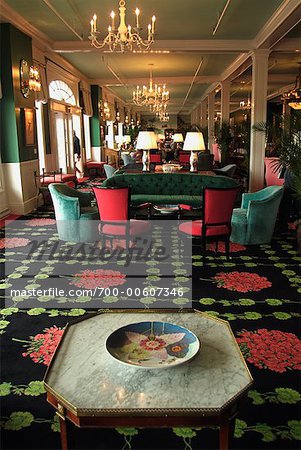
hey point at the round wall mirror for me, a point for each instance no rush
(24, 78)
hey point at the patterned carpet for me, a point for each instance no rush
(257, 291)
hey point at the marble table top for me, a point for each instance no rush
(87, 380)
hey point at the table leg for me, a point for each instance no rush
(64, 436)
(224, 436)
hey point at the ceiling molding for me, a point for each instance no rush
(280, 91)
(9, 14)
(288, 45)
(243, 60)
(166, 46)
(201, 79)
(281, 22)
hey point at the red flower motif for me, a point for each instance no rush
(152, 344)
(273, 350)
(241, 281)
(221, 247)
(42, 346)
(40, 222)
(98, 278)
(13, 242)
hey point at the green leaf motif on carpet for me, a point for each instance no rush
(18, 420)
(5, 389)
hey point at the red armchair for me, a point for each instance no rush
(272, 172)
(216, 223)
(114, 210)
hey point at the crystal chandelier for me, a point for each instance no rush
(161, 112)
(164, 117)
(245, 105)
(124, 37)
(152, 95)
(293, 97)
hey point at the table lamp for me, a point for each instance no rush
(178, 137)
(146, 141)
(194, 142)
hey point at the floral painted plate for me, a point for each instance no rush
(152, 345)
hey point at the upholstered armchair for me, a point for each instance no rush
(76, 219)
(254, 221)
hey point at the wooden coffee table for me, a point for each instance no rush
(89, 388)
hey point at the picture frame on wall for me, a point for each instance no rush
(29, 127)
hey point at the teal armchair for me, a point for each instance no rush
(254, 221)
(76, 219)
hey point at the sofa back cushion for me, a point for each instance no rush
(168, 183)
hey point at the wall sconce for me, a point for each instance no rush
(34, 79)
(29, 78)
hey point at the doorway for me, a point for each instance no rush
(63, 134)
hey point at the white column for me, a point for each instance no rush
(260, 60)
(211, 107)
(203, 113)
(225, 101)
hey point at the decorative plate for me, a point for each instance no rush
(166, 209)
(152, 345)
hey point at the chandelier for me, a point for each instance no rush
(293, 97)
(245, 105)
(151, 96)
(161, 112)
(164, 117)
(124, 37)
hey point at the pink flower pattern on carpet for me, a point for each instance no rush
(98, 278)
(221, 247)
(40, 222)
(13, 242)
(241, 281)
(41, 347)
(273, 350)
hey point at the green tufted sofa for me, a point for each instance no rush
(168, 188)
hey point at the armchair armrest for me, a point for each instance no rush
(69, 208)
(84, 198)
(247, 197)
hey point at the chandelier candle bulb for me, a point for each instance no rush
(113, 20)
(94, 23)
(149, 31)
(153, 24)
(137, 12)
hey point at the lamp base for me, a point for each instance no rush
(146, 161)
(193, 161)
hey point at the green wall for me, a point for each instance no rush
(14, 47)
(96, 94)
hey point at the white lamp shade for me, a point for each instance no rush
(194, 141)
(178, 137)
(127, 138)
(146, 140)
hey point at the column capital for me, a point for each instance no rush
(260, 53)
(225, 83)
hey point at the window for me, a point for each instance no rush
(59, 90)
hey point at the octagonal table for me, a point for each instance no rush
(90, 388)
